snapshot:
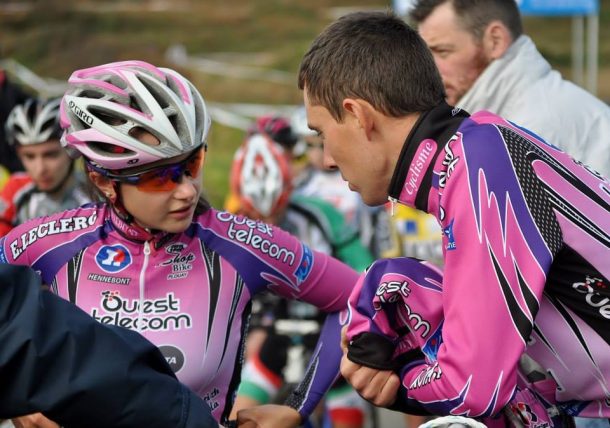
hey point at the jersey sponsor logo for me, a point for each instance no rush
(211, 399)
(305, 266)
(161, 314)
(254, 237)
(113, 258)
(433, 344)
(448, 232)
(53, 227)
(450, 161)
(397, 292)
(426, 376)
(180, 263)
(174, 357)
(418, 166)
(593, 297)
(109, 279)
(391, 292)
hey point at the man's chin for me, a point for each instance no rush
(374, 200)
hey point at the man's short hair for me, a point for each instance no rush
(474, 15)
(374, 56)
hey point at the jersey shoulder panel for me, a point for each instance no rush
(29, 241)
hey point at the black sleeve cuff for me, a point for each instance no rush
(371, 350)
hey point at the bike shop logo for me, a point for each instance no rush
(305, 266)
(160, 314)
(113, 258)
(180, 263)
(591, 288)
(450, 161)
(174, 357)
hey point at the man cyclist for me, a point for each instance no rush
(516, 327)
(50, 182)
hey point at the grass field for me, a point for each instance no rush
(54, 37)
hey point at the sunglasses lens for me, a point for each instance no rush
(166, 178)
(194, 164)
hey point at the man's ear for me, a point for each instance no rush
(104, 184)
(361, 112)
(496, 40)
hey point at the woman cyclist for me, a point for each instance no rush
(155, 257)
(50, 183)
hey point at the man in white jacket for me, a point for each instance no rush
(486, 62)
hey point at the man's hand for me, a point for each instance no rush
(268, 416)
(377, 386)
(35, 420)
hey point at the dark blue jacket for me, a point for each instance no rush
(57, 360)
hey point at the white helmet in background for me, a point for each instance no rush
(33, 122)
(298, 122)
(106, 107)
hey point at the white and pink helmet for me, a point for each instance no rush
(105, 106)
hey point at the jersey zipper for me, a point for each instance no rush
(393, 202)
(142, 281)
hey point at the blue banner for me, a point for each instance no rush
(559, 7)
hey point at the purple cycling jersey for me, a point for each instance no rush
(188, 293)
(525, 282)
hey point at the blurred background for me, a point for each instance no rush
(243, 55)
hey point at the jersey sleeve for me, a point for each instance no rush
(325, 283)
(57, 360)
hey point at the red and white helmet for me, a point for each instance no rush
(261, 177)
(104, 106)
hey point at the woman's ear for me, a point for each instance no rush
(104, 185)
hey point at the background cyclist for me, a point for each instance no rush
(50, 183)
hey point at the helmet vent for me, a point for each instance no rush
(106, 149)
(89, 93)
(107, 118)
(156, 93)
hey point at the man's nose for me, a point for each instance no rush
(328, 161)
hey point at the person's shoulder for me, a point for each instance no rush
(16, 181)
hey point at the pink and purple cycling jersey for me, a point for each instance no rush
(524, 298)
(188, 293)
